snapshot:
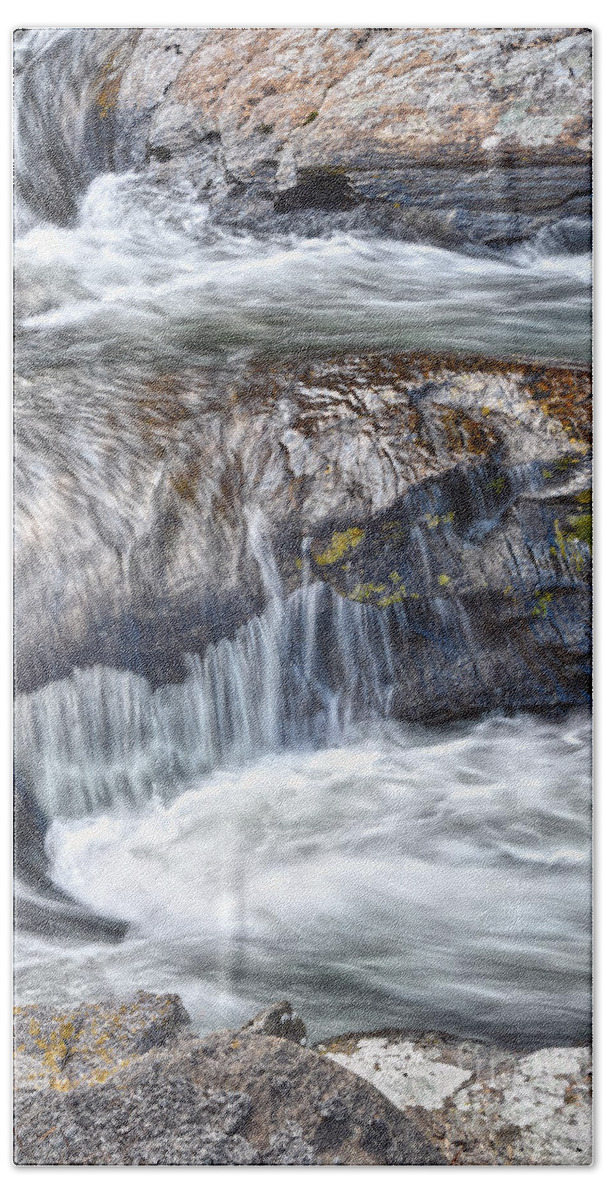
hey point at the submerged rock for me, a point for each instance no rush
(234, 1098)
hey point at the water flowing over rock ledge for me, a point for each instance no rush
(132, 1084)
(235, 567)
(442, 503)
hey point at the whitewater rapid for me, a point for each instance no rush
(403, 877)
(144, 276)
(264, 827)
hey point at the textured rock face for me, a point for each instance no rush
(60, 1051)
(415, 131)
(342, 95)
(96, 1095)
(480, 1104)
(110, 1086)
(450, 134)
(453, 496)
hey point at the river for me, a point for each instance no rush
(265, 826)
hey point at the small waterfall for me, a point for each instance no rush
(65, 81)
(260, 543)
(295, 676)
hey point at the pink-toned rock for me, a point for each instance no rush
(316, 97)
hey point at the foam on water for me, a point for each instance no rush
(405, 877)
(146, 276)
(264, 828)
(260, 840)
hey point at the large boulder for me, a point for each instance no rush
(481, 1103)
(458, 135)
(450, 495)
(445, 133)
(234, 1098)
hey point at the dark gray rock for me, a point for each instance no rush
(40, 907)
(159, 1118)
(234, 1098)
(279, 1021)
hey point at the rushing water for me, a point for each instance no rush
(145, 276)
(265, 827)
(400, 878)
(391, 876)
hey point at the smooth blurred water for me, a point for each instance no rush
(264, 828)
(402, 877)
(145, 277)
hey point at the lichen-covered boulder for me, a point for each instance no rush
(89, 1043)
(481, 1103)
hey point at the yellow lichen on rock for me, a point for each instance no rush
(341, 542)
(365, 591)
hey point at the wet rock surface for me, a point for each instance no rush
(478, 1103)
(38, 903)
(450, 494)
(234, 1098)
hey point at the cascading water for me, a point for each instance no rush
(59, 146)
(216, 818)
(145, 275)
(297, 676)
(265, 827)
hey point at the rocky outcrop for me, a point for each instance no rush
(411, 130)
(91, 1091)
(129, 1084)
(451, 495)
(452, 135)
(481, 1104)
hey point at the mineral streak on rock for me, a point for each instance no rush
(234, 1098)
